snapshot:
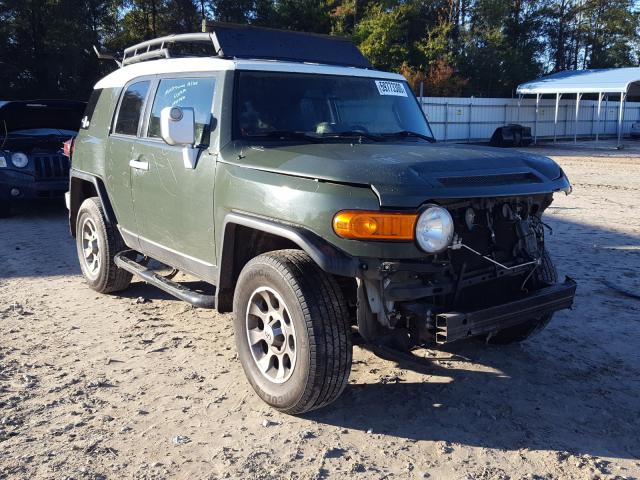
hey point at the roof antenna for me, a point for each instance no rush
(106, 56)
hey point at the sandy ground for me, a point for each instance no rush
(96, 386)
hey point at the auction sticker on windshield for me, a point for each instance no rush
(386, 87)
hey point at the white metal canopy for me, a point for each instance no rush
(603, 82)
(607, 80)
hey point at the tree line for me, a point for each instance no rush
(450, 47)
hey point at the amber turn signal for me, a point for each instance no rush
(360, 224)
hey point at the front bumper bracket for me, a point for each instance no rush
(452, 326)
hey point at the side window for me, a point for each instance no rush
(130, 108)
(196, 93)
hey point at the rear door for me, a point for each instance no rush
(124, 132)
(174, 204)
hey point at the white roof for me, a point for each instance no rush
(211, 64)
(607, 80)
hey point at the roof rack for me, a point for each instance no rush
(225, 40)
(160, 47)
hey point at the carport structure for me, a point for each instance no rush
(602, 82)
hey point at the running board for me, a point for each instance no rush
(179, 291)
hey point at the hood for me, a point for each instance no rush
(408, 174)
(27, 114)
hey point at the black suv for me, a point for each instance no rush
(32, 165)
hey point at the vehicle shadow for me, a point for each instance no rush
(139, 289)
(507, 398)
(35, 241)
(573, 387)
(38, 209)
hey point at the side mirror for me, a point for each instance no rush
(178, 127)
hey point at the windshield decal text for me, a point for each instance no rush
(386, 87)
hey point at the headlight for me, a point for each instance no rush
(19, 159)
(3, 161)
(434, 229)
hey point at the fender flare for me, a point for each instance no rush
(75, 202)
(327, 256)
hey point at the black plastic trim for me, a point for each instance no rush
(454, 326)
(328, 257)
(102, 194)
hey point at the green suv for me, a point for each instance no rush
(305, 191)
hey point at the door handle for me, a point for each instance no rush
(138, 165)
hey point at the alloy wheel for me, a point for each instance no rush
(271, 335)
(90, 247)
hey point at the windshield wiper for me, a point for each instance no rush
(286, 135)
(409, 133)
(353, 133)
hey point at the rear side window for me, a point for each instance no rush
(131, 108)
(196, 93)
(91, 106)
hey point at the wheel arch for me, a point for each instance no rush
(84, 185)
(245, 236)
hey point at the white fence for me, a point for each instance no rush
(475, 119)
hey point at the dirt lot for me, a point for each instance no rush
(98, 386)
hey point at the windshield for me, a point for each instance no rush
(269, 104)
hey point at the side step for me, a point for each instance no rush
(124, 261)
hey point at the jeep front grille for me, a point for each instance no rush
(51, 167)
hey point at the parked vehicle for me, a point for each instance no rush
(307, 190)
(32, 165)
(512, 135)
(635, 130)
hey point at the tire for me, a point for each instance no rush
(545, 274)
(313, 371)
(93, 232)
(5, 202)
(517, 138)
(5, 208)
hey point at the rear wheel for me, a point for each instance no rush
(545, 274)
(5, 204)
(291, 331)
(517, 138)
(97, 243)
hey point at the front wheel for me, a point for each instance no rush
(5, 204)
(291, 331)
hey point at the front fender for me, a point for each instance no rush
(328, 257)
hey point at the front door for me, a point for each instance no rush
(173, 204)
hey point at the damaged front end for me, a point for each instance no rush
(495, 275)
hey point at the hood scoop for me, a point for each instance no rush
(490, 180)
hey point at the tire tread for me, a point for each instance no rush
(325, 314)
(115, 279)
